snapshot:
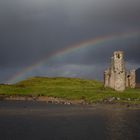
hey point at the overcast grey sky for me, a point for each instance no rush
(32, 29)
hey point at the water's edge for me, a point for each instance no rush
(52, 100)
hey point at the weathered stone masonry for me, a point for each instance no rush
(116, 75)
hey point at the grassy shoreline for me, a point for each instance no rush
(69, 89)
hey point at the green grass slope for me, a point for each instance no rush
(70, 88)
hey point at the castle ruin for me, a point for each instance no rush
(116, 76)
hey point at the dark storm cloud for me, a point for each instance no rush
(32, 29)
(101, 54)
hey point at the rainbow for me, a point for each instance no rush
(88, 43)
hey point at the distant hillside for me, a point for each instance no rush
(138, 75)
(69, 88)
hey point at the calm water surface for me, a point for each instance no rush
(28, 120)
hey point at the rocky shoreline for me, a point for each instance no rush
(53, 100)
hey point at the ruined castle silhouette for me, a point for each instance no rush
(116, 76)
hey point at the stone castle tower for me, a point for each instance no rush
(116, 76)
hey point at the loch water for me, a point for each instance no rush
(32, 120)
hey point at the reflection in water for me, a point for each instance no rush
(40, 121)
(123, 124)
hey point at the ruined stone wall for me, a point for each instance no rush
(120, 81)
(116, 76)
(132, 78)
(119, 71)
(106, 78)
(127, 79)
(112, 79)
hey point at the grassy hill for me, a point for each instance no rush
(69, 88)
